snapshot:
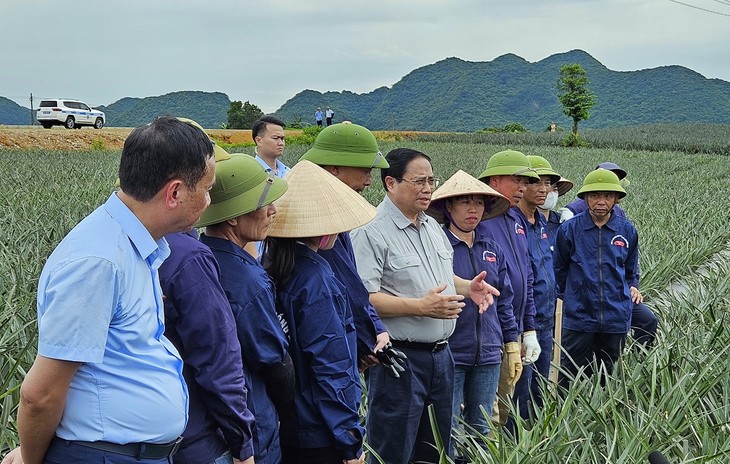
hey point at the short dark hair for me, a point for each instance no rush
(160, 151)
(259, 126)
(398, 159)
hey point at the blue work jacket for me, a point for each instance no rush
(508, 230)
(368, 325)
(323, 348)
(543, 283)
(199, 322)
(251, 294)
(594, 267)
(478, 338)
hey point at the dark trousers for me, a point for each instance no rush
(643, 325)
(294, 455)
(398, 423)
(581, 349)
(66, 452)
(329, 121)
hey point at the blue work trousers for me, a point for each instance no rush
(583, 349)
(398, 424)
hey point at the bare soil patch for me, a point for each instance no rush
(60, 138)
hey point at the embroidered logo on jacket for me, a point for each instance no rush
(519, 230)
(543, 233)
(620, 241)
(489, 256)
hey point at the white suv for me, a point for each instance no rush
(70, 113)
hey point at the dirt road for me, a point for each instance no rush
(59, 138)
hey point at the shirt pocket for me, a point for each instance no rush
(406, 272)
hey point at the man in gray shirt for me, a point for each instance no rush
(405, 261)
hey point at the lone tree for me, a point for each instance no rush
(575, 97)
(242, 115)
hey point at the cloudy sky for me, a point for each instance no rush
(267, 51)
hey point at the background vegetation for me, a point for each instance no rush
(461, 96)
(674, 398)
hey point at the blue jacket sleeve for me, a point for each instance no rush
(505, 310)
(206, 329)
(561, 259)
(323, 338)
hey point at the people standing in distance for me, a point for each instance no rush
(318, 115)
(329, 114)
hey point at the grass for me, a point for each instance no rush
(674, 398)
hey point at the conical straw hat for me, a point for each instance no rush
(460, 184)
(317, 203)
(564, 186)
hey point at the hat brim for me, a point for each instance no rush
(510, 171)
(316, 204)
(564, 186)
(460, 184)
(262, 195)
(602, 187)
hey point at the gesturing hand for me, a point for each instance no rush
(442, 306)
(481, 292)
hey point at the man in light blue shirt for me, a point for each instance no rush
(268, 135)
(106, 384)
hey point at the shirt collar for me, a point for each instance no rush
(400, 219)
(154, 252)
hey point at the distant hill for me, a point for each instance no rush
(209, 109)
(458, 95)
(12, 113)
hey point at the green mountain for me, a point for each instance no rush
(209, 109)
(457, 95)
(12, 113)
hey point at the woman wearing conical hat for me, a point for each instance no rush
(460, 204)
(326, 426)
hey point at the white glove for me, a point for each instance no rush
(531, 346)
(565, 215)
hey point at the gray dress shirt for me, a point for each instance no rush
(396, 257)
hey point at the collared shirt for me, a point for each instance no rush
(100, 303)
(594, 267)
(281, 168)
(251, 294)
(397, 258)
(200, 323)
(341, 258)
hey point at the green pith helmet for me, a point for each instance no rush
(601, 180)
(543, 168)
(241, 186)
(509, 163)
(346, 144)
(218, 152)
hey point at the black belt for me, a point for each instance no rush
(434, 347)
(137, 450)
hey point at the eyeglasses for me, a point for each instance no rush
(421, 182)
